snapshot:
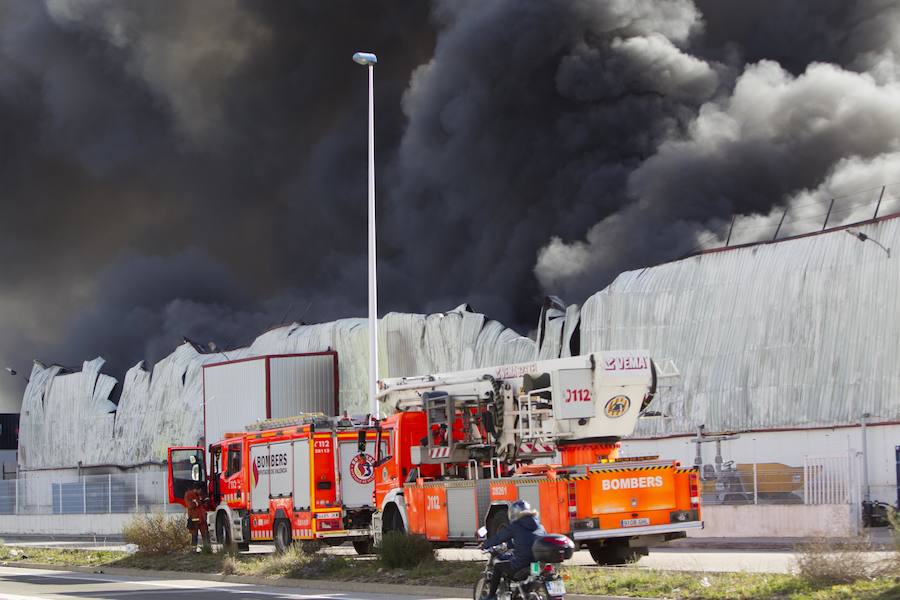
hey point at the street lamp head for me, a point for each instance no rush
(12, 371)
(365, 58)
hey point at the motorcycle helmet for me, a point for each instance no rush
(519, 509)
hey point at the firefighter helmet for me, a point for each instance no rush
(519, 509)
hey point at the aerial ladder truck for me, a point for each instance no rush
(458, 448)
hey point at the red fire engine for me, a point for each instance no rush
(460, 447)
(307, 479)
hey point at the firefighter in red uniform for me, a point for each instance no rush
(195, 501)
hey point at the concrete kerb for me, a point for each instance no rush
(309, 584)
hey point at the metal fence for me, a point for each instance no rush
(819, 480)
(813, 212)
(88, 494)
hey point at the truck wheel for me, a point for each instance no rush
(393, 521)
(363, 547)
(497, 523)
(223, 531)
(614, 553)
(281, 533)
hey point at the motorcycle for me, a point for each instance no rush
(543, 581)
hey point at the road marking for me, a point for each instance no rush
(184, 584)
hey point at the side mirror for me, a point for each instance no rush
(482, 532)
(361, 441)
(195, 472)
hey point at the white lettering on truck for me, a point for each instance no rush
(632, 483)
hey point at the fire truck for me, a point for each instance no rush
(306, 479)
(460, 447)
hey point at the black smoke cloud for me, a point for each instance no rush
(199, 169)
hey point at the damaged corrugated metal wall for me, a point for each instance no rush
(798, 333)
(68, 418)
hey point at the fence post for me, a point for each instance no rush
(755, 486)
(83, 495)
(16, 509)
(805, 480)
(135, 493)
(780, 223)
(109, 493)
(877, 206)
(828, 214)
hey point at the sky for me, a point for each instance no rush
(174, 169)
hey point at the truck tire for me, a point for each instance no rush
(281, 534)
(223, 531)
(363, 547)
(615, 553)
(497, 522)
(393, 521)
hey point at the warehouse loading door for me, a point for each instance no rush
(239, 392)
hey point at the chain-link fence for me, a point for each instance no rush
(88, 494)
(819, 480)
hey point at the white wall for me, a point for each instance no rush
(99, 525)
(777, 520)
(789, 447)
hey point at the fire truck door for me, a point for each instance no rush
(186, 470)
(435, 513)
(301, 475)
(357, 474)
(462, 517)
(259, 477)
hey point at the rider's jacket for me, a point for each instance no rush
(523, 532)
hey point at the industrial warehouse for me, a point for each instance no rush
(773, 344)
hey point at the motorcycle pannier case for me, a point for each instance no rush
(553, 549)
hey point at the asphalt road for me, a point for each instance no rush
(28, 584)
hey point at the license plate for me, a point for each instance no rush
(556, 587)
(635, 522)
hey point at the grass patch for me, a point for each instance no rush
(629, 582)
(722, 586)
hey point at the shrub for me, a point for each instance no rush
(4, 551)
(157, 534)
(822, 561)
(402, 551)
(229, 565)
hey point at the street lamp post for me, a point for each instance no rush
(369, 60)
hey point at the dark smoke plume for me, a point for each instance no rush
(198, 169)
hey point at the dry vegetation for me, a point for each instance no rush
(157, 534)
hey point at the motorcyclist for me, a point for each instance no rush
(523, 529)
